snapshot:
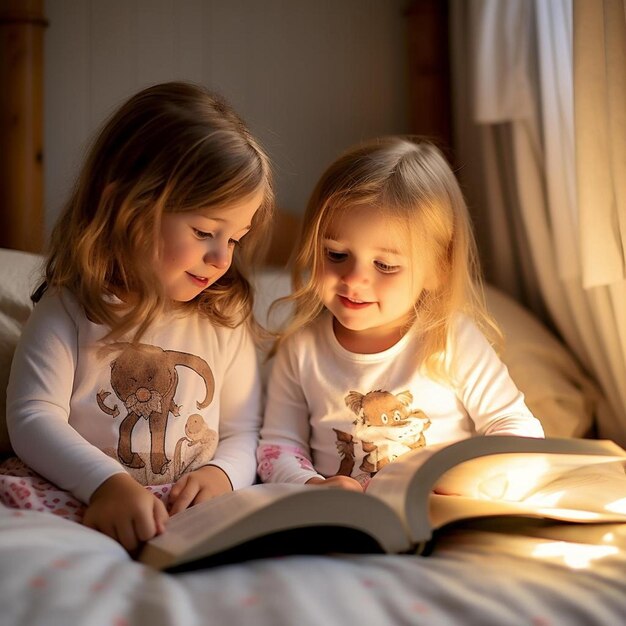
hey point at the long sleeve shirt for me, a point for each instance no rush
(79, 411)
(330, 411)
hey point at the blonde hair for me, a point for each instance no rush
(172, 147)
(408, 179)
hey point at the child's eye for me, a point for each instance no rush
(335, 257)
(233, 242)
(200, 234)
(385, 268)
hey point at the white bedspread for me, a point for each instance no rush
(54, 572)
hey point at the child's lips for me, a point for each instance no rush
(198, 280)
(353, 304)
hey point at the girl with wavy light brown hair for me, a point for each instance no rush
(387, 348)
(137, 367)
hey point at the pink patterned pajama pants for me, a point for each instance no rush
(23, 488)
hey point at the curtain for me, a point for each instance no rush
(540, 110)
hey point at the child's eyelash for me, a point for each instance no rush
(386, 268)
(338, 257)
(335, 257)
(200, 234)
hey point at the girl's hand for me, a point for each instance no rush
(337, 482)
(124, 510)
(197, 486)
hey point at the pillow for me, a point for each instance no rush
(556, 389)
(19, 275)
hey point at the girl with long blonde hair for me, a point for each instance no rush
(387, 349)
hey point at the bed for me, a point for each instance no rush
(53, 571)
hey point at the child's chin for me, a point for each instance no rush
(357, 326)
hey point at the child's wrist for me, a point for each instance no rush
(113, 482)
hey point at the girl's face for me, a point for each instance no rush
(197, 246)
(368, 281)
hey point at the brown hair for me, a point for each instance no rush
(171, 147)
(408, 179)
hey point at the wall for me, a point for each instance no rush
(309, 76)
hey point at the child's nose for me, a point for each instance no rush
(355, 273)
(218, 255)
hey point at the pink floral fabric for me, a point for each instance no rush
(23, 488)
(267, 454)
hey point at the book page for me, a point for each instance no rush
(503, 470)
(597, 488)
(594, 492)
(511, 477)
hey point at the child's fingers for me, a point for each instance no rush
(126, 535)
(150, 519)
(203, 496)
(184, 499)
(182, 502)
(178, 487)
(342, 482)
(145, 526)
(161, 516)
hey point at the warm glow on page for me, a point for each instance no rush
(541, 481)
(576, 556)
(548, 499)
(518, 480)
(599, 488)
(619, 506)
(574, 515)
(510, 477)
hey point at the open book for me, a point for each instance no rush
(578, 480)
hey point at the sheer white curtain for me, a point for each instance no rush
(540, 115)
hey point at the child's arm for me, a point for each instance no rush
(284, 453)
(234, 464)
(486, 389)
(38, 402)
(38, 407)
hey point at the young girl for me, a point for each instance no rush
(386, 350)
(137, 366)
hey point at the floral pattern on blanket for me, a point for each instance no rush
(22, 488)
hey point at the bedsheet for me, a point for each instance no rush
(56, 572)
